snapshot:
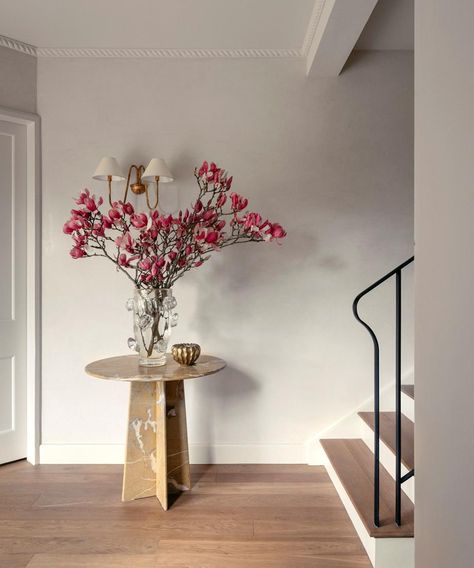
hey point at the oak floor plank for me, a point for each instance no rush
(255, 516)
(93, 561)
(14, 560)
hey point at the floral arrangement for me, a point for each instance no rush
(154, 250)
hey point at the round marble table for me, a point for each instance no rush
(157, 441)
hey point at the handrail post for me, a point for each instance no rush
(398, 397)
(376, 434)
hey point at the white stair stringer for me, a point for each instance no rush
(382, 552)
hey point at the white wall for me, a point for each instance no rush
(331, 159)
(17, 80)
(444, 221)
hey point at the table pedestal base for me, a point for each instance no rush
(157, 442)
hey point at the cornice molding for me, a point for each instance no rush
(158, 53)
(312, 26)
(17, 45)
(168, 53)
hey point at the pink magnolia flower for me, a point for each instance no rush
(122, 259)
(107, 223)
(238, 202)
(165, 222)
(115, 214)
(125, 261)
(276, 231)
(200, 235)
(157, 266)
(82, 197)
(212, 237)
(90, 203)
(80, 240)
(127, 208)
(139, 220)
(69, 227)
(221, 200)
(145, 264)
(209, 216)
(203, 169)
(77, 252)
(160, 262)
(125, 241)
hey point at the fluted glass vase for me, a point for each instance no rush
(153, 318)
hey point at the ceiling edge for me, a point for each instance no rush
(17, 45)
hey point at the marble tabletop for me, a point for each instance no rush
(126, 368)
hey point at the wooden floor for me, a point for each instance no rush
(255, 516)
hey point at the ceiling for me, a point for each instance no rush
(194, 24)
(157, 23)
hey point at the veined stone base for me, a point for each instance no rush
(157, 442)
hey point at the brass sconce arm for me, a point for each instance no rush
(109, 170)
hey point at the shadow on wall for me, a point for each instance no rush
(230, 386)
(245, 307)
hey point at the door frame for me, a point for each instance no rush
(33, 277)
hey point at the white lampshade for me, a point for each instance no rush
(157, 168)
(108, 167)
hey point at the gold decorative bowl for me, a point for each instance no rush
(186, 353)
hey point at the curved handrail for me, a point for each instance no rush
(396, 271)
(375, 284)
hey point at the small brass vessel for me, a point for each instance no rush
(186, 353)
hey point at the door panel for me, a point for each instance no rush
(13, 177)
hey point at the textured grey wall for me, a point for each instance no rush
(331, 159)
(17, 80)
(444, 226)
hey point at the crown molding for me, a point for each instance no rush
(17, 45)
(312, 26)
(159, 53)
(168, 53)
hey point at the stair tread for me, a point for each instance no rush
(354, 465)
(387, 434)
(409, 390)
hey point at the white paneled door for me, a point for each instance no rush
(13, 184)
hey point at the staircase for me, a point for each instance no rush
(374, 474)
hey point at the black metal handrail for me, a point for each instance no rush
(399, 479)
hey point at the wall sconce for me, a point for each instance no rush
(109, 170)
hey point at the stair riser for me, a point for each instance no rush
(387, 458)
(368, 542)
(408, 407)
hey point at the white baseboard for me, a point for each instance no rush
(82, 453)
(198, 453)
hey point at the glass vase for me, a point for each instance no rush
(153, 318)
